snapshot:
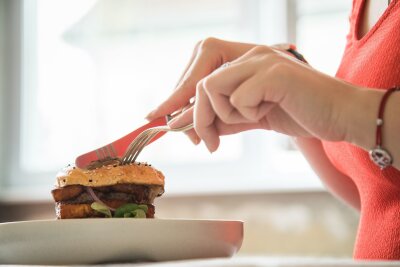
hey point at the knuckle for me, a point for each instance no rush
(228, 119)
(223, 116)
(208, 83)
(235, 101)
(261, 49)
(209, 43)
(199, 87)
(226, 116)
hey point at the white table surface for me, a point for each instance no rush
(268, 262)
(256, 262)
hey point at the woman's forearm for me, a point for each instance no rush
(338, 183)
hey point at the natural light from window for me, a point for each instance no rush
(95, 68)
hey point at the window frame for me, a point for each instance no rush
(10, 94)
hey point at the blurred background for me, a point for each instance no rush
(77, 74)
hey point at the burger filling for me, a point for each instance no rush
(120, 200)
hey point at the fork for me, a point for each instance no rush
(144, 138)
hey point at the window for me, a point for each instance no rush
(91, 70)
(321, 30)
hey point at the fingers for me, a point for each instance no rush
(193, 137)
(184, 119)
(248, 98)
(213, 110)
(207, 56)
(221, 84)
(204, 62)
(226, 129)
(177, 97)
(194, 54)
(204, 117)
(243, 92)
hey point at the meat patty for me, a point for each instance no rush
(71, 191)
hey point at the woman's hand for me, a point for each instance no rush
(207, 56)
(269, 90)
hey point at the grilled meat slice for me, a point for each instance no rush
(70, 192)
(77, 194)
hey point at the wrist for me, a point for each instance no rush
(362, 129)
(362, 115)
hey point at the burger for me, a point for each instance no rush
(107, 189)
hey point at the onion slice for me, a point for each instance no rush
(93, 195)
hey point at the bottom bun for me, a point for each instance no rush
(71, 211)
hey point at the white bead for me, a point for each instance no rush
(379, 121)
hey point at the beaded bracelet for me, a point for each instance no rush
(379, 155)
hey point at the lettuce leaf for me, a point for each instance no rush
(101, 209)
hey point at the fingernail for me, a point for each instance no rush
(172, 123)
(195, 140)
(209, 148)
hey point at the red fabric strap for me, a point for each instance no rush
(379, 121)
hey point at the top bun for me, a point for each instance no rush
(137, 173)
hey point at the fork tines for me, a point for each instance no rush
(144, 138)
(137, 145)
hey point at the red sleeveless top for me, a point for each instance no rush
(372, 61)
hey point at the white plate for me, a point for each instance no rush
(88, 241)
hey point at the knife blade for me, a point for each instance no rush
(118, 147)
